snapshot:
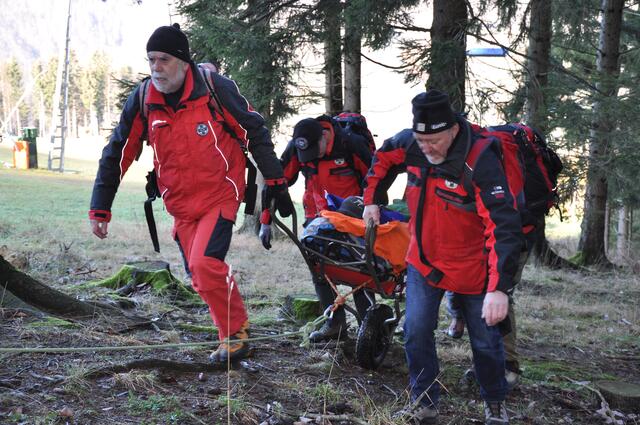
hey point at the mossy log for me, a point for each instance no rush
(47, 299)
(622, 396)
(153, 274)
(300, 308)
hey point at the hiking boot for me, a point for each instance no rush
(417, 415)
(329, 331)
(495, 413)
(456, 328)
(235, 349)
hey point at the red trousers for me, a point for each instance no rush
(205, 243)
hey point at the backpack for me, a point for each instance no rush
(531, 166)
(356, 123)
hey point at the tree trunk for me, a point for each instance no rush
(544, 255)
(539, 49)
(332, 56)
(540, 32)
(352, 67)
(622, 234)
(448, 46)
(592, 243)
(45, 298)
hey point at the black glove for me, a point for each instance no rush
(265, 235)
(280, 194)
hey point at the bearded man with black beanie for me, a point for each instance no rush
(473, 252)
(200, 170)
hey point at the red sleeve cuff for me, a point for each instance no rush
(273, 182)
(265, 217)
(100, 215)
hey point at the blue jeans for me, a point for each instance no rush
(423, 304)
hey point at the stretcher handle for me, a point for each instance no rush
(370, 234)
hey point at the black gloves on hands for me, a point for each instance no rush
(265, 235)
(280, 194)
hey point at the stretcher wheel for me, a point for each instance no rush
(374, 337)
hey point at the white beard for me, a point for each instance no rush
(435, 161)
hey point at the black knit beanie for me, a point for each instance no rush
(432, 112)
(169, 39)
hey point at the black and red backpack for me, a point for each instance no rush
(356, 123)
(531, 166)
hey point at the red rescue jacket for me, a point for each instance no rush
(340, 171)
(198, 163)
(468, 252)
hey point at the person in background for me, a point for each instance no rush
(332, 161)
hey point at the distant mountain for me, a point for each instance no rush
(35, 29)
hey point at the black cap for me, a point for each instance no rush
(432, 112)
(306, 138)
(171, 40)
(353, 206)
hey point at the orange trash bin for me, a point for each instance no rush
(21, 154)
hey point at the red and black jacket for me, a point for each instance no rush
(341, 171)
(464, 251)
(197, 161)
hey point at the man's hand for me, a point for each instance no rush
(99, 228)
(265, 235)
(495, 307)
(280, 194)
(371, 212)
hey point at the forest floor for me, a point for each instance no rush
(574, 328)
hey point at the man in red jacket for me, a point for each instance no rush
(473, 252)
(200, 169)
(331, 161)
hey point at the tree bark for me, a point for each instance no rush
(448, 50)
(43, 297)
(332, 56)
(352, 67)
(592, 242)
(622, 234)
(56, 303)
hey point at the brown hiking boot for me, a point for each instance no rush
(456, 328)
(235, 349)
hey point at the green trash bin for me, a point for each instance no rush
(30, 134)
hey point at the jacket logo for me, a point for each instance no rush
(301, 143)
(498, 192)
(450, 184)
(202, 129)
(339, 161)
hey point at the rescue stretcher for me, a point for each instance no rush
(352, 258)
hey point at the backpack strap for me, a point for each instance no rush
(470, 162)
(142, 97)
(214, 103)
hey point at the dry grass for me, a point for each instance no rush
(571, 325)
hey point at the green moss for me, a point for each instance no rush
(198, 328)
(305, 309)
(577, 259)
(558, 374)
(162, 283)
(52, 322)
